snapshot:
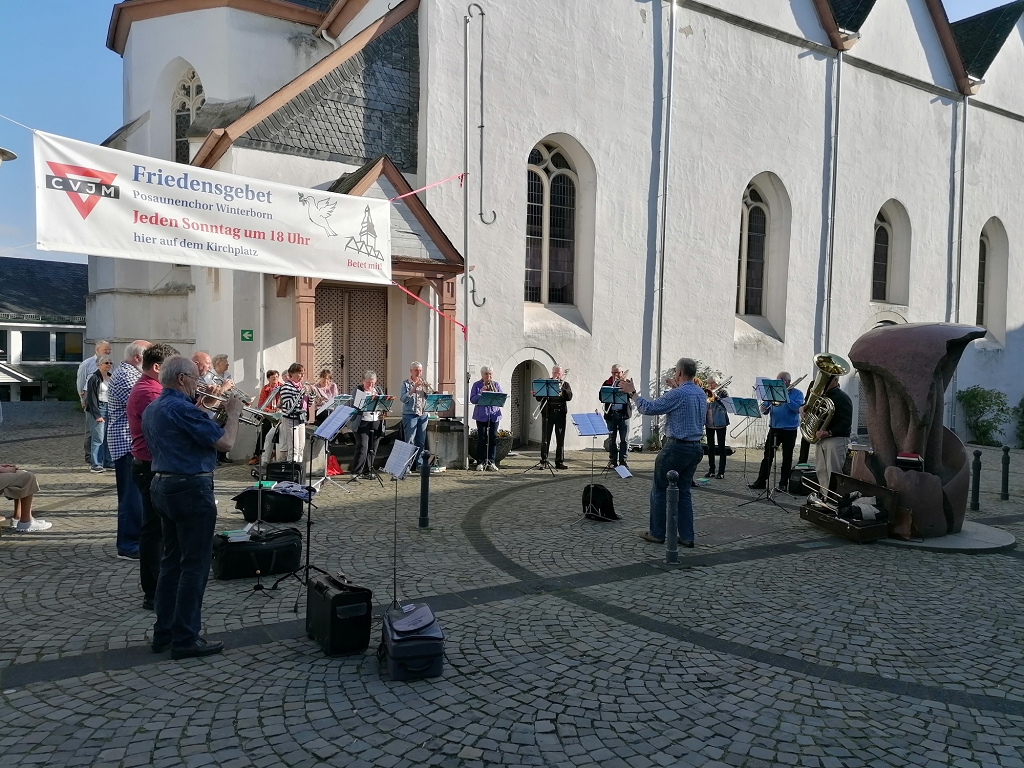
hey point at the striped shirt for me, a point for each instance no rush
(119, 438)
(291, 401)
(686, 407)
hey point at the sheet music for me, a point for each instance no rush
(402, 455)
(623, 472)
(358, 398)
(333, 423)
(589, 425)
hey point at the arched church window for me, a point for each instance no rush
(551, 194)
(753, 258)
(880, 266)
(187, 99)
(982, 264)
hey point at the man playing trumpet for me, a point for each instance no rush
(617, 416)
(414, 399)
(554, 411)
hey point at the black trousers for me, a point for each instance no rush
(805, 451)
(716, 434)
(554, 421)
(151, 540)
(367, 439)
(776, 437)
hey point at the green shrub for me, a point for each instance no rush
(1018, 416)
(62, 383)
(985, 411)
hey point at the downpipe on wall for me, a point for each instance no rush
(833, 190)
(959, 254)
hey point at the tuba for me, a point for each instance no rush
(819, 410)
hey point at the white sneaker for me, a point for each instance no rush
(35, 526)
(479, 467)
(491, 467)
(14, 522)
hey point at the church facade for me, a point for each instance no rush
(831, 165)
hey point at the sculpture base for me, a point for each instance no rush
(973, 538)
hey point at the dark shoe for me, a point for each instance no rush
(611, 465)
(687, 544)
(561, 466)
(781, 489)
(757, 486)
(148, 604)
(693, 484)
(254, 461)
(125, 555)
(156, 647)
(201, 647)
(720, 476)
(646, 536)
(711, 473)
(624, 465)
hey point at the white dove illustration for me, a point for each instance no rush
(320, 211)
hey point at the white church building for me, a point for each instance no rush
(831, 165)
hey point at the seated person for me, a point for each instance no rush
(21, 486)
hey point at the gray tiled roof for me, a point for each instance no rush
(980, 37)
(366, 107)
(31, 286)
(219, 114)
(851, 14)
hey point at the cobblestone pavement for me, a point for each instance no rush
(569, 643)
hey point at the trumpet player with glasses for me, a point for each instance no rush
(784, 420)
(616, 417)
(487, 418)
(414, 399)
(715, 424)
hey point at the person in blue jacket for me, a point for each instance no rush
(785, 420)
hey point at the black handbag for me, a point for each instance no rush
(277, 507)
(338, 614)
(598, 504)
(284, 470)
(269, 553)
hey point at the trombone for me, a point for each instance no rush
(251, 416)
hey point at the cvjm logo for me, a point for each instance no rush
(85, 187)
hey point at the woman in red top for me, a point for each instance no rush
(270, 392)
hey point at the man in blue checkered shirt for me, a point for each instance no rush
(119, 440)
(685, 404)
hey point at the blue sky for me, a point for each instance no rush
(58, 76)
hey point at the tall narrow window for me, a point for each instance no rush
(753, 257)
(982, 264)
(551, 185)
(188, 98)
(880, 267)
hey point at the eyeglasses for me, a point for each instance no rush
(189, 375)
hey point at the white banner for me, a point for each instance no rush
(106, 202)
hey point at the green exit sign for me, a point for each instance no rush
(246, 335)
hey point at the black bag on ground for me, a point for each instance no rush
(796, 481)
(338, 614)
(597, 504)
(277, 507)
(269, 553)
(412, 643)
(284, 470)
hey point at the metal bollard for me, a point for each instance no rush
(671, 518)
(1004, 490)
(976, 482)
(424, 490)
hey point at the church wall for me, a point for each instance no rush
(797, 17)
(1002, 87)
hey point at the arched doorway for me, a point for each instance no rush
(525, 429)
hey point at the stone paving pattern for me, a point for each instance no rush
(793, 648)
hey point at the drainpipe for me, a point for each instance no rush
(959, 254)
(261, 360)
(830, 254)
(465, 245)
(666, 164)
(332, 40)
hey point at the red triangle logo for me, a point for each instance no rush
(83, 203)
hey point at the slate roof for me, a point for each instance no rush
(366, 107)
(851, 14)
(980, 37)
(218, 115)
(52, 288)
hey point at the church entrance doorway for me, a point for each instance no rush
(525, 429)
(351, 334)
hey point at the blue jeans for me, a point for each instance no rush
(98, 451)
(486, 441)
(188, 517)
(684, 459)
(415, 429)
(129, 506)
(618, 426)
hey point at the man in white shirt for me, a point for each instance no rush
(86, 369)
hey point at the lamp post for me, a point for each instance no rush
(6, 154)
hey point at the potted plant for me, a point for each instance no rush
(503, 445)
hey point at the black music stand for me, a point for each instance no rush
(546, 390)
(491, 400)
(397, 465)
(381, 404)
(258, 586)
(774, 392)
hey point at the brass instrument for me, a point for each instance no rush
(218, 407)
(220, 381)
(818, 409)
(793, 385)
(713, 393)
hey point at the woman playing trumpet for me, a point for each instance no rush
(715, 424)
(487, 418)
(414, 398)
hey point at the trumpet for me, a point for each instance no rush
(218, 408)
(220, 381)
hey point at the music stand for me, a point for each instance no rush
(376, 404)
(332, 407)
(399, 460)
(770, 391)
(492, 400)
(590, 425)
(613, 396)
(545, 390)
